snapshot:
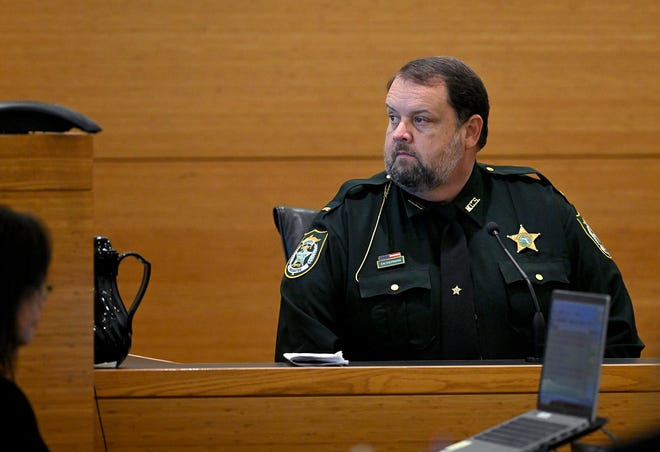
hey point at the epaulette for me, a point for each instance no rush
(354, 187)
(513, 171)
(520, 171)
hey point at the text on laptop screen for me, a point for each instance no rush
(574, 352)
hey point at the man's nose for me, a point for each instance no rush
(402, 132)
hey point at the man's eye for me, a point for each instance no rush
(421, 120)
(393, 119)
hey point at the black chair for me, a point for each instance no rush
(292, 223)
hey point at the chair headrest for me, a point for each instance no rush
(292, 223)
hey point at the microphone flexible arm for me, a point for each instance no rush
(538, 321)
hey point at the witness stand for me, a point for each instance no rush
(157, 405)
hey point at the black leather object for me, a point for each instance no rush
(292, 223)
(17, 117)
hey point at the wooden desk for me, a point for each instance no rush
(165, 406)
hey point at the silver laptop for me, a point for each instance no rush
(570, 380)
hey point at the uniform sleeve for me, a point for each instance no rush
(594, 270)
(310, 299)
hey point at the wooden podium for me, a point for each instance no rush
(152, 405)
(50, 175)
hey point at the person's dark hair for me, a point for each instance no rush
(467, 93)
(25, 253)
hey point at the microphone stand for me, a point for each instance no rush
(538, 321)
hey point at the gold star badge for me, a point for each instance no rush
(524, 239)
(456, 290)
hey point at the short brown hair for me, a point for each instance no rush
(467, 93)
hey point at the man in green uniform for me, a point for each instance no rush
(369, 277)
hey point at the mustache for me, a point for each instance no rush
(403, 147)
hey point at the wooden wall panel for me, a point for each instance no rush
(46, 162)
(207, 228)
(263, 78)
(55, 371)
(217, 259)
(213, 112)
(210, 108)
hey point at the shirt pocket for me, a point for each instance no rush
(399, 310)
(545, 276)
(394, 282)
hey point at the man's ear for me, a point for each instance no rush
(472, 129)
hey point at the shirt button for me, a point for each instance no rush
(539, 277)
(394, 287)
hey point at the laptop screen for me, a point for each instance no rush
(575, 343)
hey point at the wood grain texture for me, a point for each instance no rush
(208, 78)
(387, 408)
(217, 261)
(392, 423)
(46, 162)
(183, 87)
(55, 371)
(214, 112)
(232, 380)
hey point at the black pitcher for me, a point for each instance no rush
(112, 322)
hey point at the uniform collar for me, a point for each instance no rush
(472, 200)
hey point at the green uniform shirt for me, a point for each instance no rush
(346, 287)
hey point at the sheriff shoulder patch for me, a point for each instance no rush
(306, 254)
(592, 235)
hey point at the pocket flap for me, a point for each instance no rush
(393, 282)
(540, 272)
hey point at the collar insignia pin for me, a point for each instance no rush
(472, 204)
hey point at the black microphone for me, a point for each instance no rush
(538, 321)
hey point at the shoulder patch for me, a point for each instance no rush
(306, 254)
(592, 235)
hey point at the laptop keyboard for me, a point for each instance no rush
(520, 432)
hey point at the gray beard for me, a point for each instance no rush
(419, 178)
